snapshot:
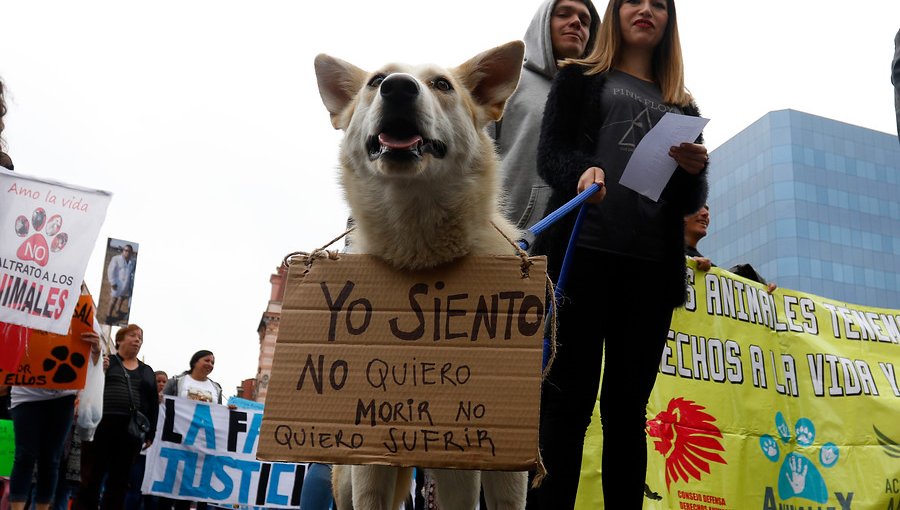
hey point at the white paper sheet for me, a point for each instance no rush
(650, 166)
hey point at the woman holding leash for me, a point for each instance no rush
(627, 272)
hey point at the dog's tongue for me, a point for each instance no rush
(399, 143)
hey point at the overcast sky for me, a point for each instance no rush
(204, 121)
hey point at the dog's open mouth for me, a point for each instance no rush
(403, 143)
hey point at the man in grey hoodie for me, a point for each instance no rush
(560, 29)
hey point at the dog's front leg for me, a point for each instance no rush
(456, 489)
(373, 487)
(504, 490)
(341, 487)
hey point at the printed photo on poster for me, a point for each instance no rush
(118, 282)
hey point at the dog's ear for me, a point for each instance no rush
(492, 76)
(339, 82)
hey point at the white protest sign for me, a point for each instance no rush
(650, 166)
(47, 232)
(207, 452)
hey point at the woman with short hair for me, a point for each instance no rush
(113, 450)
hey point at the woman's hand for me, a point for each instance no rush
(703, 263)
(593, 175)
(93, 339)
(693, 157)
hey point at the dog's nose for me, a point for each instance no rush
(399, 88)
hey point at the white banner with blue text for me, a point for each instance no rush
(207, 452)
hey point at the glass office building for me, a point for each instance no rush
(813, 204)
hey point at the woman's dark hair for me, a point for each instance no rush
(197, 356)
(5, 160)
(2, 107)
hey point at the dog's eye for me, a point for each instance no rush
(376, 80)
(442, 84)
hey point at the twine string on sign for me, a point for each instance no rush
(541, 471)
(526, 266)
(523, 255)
(552, 293)
(318, 253)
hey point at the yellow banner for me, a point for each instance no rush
(771, 402)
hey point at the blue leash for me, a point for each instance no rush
(566, 208)
(542, 225)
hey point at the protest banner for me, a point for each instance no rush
(207, 452)
(768, 402)
(120, 263)
(243, 403)
(7, 447)
(56, 362)
(47, 235)
(432, 368)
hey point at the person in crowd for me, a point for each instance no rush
(895, 78)
(6, 163)
(4, 415)
(4, 402)
(41, 422)
(316, 493)
(69, 468)
(134, 499)
(695, 229)
(120, 275)
(195, 383)
(5, 160)
(129, 382)
(161, 379)
(628, 267)
(560, 29)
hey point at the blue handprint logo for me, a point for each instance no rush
(769, 447)
(799, 477)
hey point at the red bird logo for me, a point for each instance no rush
(687, 438)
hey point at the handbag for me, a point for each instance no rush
(138, 424)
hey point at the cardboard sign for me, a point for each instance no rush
(56, 361)
(437, 368)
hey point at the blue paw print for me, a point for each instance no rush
(799, 477)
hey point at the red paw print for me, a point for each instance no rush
(35, 248)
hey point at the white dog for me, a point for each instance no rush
(420, 176)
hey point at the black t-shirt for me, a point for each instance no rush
(626, 222)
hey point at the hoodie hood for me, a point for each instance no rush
(539, 45)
